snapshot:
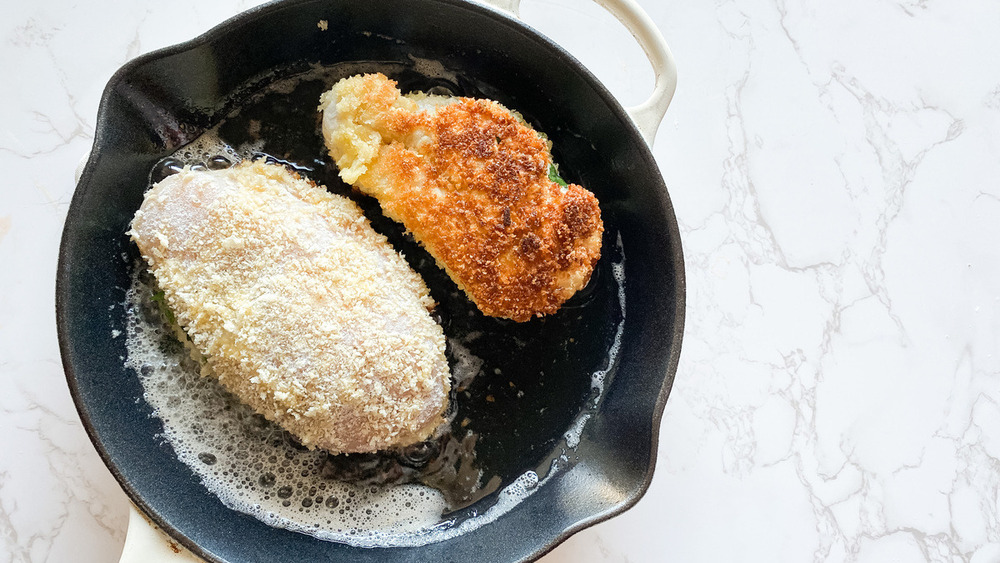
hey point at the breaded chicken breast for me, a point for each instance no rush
(297, 306)
(471, 181)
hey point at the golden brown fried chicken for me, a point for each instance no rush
(297, 306)
(470, 180)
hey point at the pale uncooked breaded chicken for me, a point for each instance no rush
(470, 180)
(298, 307)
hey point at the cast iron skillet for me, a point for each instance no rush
(163, 100)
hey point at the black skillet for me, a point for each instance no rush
(161, 101)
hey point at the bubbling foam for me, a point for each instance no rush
(251, 464)
(254, 467)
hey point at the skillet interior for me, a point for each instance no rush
(163, 100)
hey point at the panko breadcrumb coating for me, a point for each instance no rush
(297, 306)
(470, 180)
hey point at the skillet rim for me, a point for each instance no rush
(675, 251)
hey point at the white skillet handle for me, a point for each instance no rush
(647, 115)
(145, 543)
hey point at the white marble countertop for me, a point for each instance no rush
(834, 168)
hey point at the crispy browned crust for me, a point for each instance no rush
(477, 195)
